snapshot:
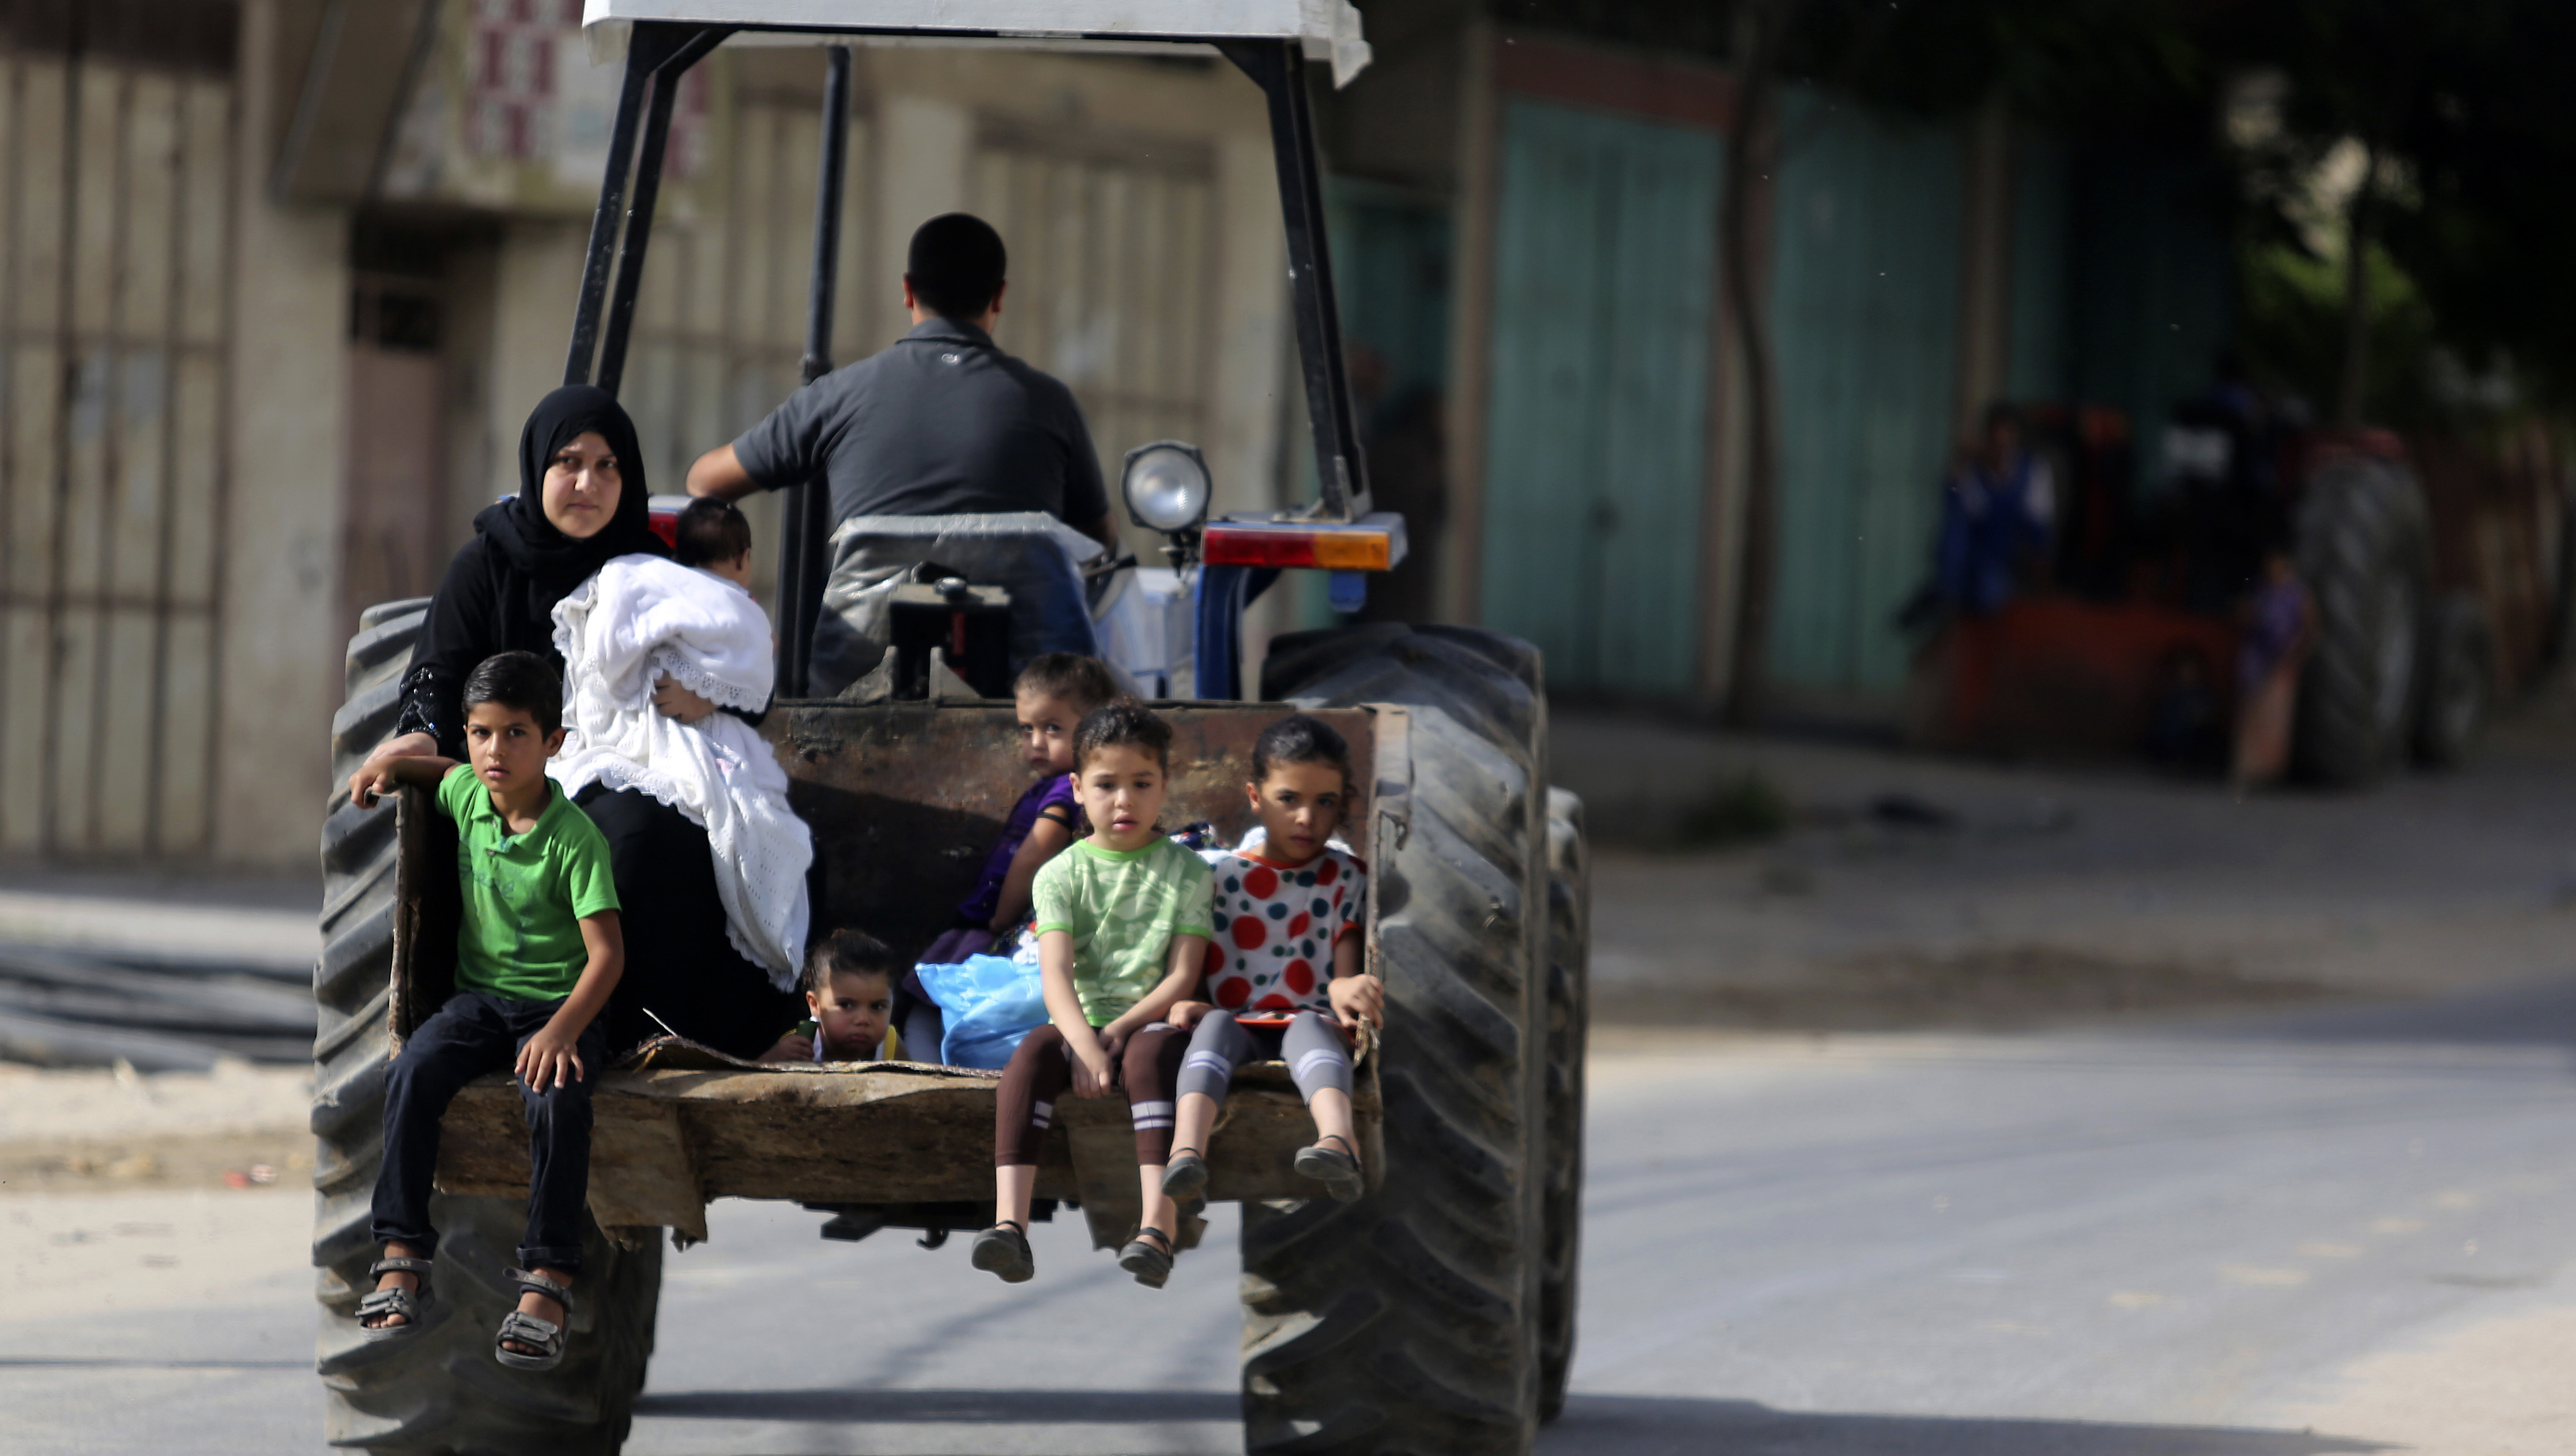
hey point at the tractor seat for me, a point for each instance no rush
(1032, 555)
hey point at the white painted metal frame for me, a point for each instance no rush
(1326, 29)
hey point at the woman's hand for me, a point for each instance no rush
(1356, 999)
(674, 701)
(370, 773)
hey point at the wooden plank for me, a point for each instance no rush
(123, 736)
(146, 285)
(140, 461)
(641, 1170)
(183, 819)
(206, 175)
(79, 636)
(36, 290)
(862, 1134)
(1597, 440)
(195, 413)
(98, 204)
(35, 437)
(81, 528)
(23, 638)
(1866, 316)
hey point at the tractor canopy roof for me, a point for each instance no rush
(1327, 30)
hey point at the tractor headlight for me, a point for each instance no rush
(1166, 486)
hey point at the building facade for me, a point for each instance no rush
(285, 276)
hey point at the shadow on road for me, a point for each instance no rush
(2529, 1013)
(970, 1407)
(1593, 1425)
(1630, 1425)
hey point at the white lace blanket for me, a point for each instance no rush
(619, 632)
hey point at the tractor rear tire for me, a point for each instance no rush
(1569, 1025)
(440, 1390)
(2458, 680)
(2364, 552)
(1409, 1322)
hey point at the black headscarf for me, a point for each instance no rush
(553, 562)
(500, 591)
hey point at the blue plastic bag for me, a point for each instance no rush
(988, 1002)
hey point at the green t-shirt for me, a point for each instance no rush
(1122, 911)
(525, 895)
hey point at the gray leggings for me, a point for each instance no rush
(1310, 1044)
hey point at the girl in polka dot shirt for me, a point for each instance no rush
(1284, 969)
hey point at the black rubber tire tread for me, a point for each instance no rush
(441, 1390)
(2364, 552)
(2457, 683)
(1406, 1324)
(1569, 1025)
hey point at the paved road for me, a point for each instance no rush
(2166, 1244)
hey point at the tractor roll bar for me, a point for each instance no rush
(659, 52)
(656, 57)
(808, 515)
(1278, 67)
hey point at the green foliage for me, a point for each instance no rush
(2291, 329)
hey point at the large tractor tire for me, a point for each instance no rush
(2363, 549)
(1409, 1323)
(439, 1391)
(1569, 1024)
(2457, 680)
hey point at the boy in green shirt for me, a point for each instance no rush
(537, 953)
(1122, 925)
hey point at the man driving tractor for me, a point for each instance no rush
(941, 426)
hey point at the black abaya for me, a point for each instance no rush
(499, 596)
(679, 964)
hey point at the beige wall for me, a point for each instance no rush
(281, 646)
(925, 123)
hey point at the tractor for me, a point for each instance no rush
(2401, 664)
(1436, 1313)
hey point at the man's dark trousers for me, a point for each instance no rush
(475, 1033)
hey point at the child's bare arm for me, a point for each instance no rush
(1356, 994)
(1047, 839)
(377, 775)
(790, 1048)
(549, 1058)
(1180, 977)
(1091, 1071)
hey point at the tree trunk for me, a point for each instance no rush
(1752, 152)
(2356, 294)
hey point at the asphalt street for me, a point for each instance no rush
(2177, 1242)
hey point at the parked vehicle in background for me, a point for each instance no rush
(2437, 572)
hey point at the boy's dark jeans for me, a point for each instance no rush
(474, 1033)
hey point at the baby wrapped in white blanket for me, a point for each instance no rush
(638, 618)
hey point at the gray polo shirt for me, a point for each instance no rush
(943, 423)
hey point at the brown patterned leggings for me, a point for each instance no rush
(1041, 1071)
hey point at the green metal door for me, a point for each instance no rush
(1597, 420)
(1865, 311)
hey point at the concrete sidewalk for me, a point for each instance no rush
(1915, 889)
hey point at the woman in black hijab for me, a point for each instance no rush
(581, 501)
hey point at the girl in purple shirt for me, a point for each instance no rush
(1053, 693)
